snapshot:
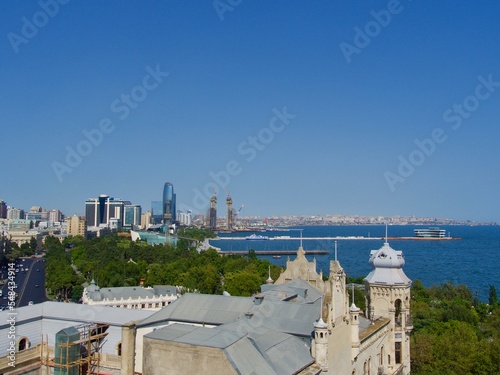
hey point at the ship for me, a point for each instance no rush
(256, 237)
(431, 232)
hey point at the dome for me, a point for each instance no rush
(92, 287)
(387, 265)
(387, 257)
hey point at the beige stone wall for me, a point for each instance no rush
(169, 358)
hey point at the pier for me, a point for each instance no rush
(287, 238)
(274, 252)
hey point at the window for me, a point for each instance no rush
(119, 349)
(23, 344)
(397, 349)
(381, 356)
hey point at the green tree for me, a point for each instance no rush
(492, 296)
(33, 245)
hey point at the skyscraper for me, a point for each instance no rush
(229, 213)
(168, 203)
(132, 216)
(156, 212)
(3, 210)
(212, 214)
(100, 210)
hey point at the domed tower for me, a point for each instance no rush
(387, 293)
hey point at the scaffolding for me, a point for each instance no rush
(77, 350)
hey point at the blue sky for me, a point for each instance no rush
(361, 84)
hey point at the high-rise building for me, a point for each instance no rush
(99, 211)
(184, 218)
(229, 213)
(3, 210)
(212, 213)
(146, 220)
(132, 216)
(76, 226)
(15, 213)
(156, 212)
(168, 203)
(55, 216)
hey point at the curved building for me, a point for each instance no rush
(168, 203)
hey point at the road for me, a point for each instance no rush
(30, 280)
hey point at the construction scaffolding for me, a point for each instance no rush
(77, 349)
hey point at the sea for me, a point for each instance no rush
(473, 260)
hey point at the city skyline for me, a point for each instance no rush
(375, 109)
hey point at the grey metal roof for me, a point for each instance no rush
(98, 294)
(286, 353)
(288, 317)
(198, 336)
(305, 292)
(202, 308)
(78, 312)
(247, 360)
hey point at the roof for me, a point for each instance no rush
(98, 294)
(202, 308)
(75, 312)
(193, 335)
(250, 349)
(387, 265)
(304, 292)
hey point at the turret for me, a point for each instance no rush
(321, 344)
(354, 319)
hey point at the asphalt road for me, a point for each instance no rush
(30, 280)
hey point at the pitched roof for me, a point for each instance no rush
(202, 308)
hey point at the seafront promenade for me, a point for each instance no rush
(289, 238)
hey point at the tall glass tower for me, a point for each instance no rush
(168, 204)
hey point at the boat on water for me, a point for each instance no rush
(276, 256)
(256, 237)
(431, 232)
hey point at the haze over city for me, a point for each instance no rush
(377, 108)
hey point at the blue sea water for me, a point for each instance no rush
(474, 260)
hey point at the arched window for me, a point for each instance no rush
(119, 349)
(381, 356)
(23, 344)
(369, 365)
(397, 315)
(365, 368)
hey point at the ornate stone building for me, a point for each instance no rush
(351, 341)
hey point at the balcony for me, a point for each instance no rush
(407, 320)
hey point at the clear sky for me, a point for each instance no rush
(299, 107)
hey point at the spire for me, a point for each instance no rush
(353, 307)
(335, 250)
(269, 279)
(386, 233)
